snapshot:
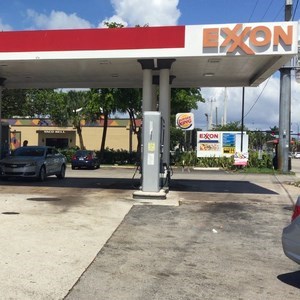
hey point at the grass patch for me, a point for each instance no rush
(258, 170)
(253, 170)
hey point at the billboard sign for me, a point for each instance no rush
(223, 144)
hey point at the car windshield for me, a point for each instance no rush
(82, 153)
(27, 151)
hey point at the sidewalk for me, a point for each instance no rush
(47, 244)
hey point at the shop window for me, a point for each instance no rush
(57, 142)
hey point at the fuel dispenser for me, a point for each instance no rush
(151, 151)
(155, 174)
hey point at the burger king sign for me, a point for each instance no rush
(185, 121)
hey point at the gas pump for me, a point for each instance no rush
(155, 174)
(151, 151)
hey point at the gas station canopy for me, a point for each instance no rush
(204, 55)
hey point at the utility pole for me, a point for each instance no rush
(243, 112)
(225, 107)
(207, 122)
(1, 131)
(211, 100)
(285, 106)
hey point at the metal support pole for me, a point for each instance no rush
(147, 90)
(225, 107)
(288, 10)
(242, 125)
(284, 119)
(147, 66)
(154, 97)
(1, 139)
(165, 107)
(165, 81)
(285, 106)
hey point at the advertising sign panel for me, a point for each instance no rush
(221, 143)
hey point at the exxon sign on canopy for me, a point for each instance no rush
(248, 39)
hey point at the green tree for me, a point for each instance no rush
(24, 103)
(113, 25)
(75, 107)
(184, 100)
(64, 109)
(105, 99)
(130, 101)
(13, 103)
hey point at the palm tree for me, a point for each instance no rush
(105, 100)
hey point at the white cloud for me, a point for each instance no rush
(264, 99)
(5, 27)
(57, 20)
(151, 12)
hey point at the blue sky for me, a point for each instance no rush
(37, 14)
(56, 14)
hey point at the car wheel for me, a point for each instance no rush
(62, 172)
(73, 168)
(42, 174)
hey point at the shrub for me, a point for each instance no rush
(120, 157)
(110, 156)
(226, 163)
(69, 152)
(254, 161)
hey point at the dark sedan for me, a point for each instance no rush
(85, 159)
(33, 161)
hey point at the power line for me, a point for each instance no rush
(296, 6)
(253, 10)
(280, 10)
(267, 9)
(257, 98)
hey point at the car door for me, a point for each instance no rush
(57, 161)
(50, 161)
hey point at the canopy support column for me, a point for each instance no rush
(147, 66)
(165, 106)
(1, 89)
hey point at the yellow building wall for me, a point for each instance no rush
(117, 137)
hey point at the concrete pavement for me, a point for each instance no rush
(55, 242)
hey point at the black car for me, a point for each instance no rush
(85, 159)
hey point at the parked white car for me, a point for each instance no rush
(33, 161)
(297, 155)
(291, 236)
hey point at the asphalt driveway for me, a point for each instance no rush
(86, 238)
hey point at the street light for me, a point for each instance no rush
(206, 115)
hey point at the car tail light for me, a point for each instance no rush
(296, 212)
(73, 157)
(89, 157)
